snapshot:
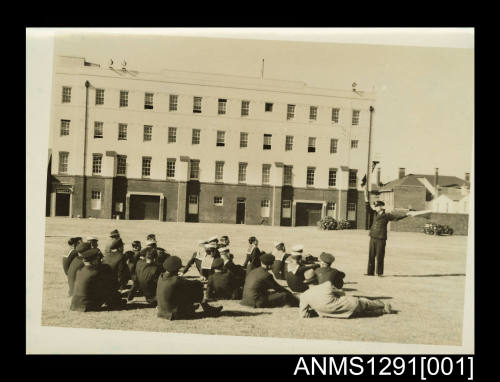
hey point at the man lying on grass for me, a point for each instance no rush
(325, 300)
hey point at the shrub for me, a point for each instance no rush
(343, 224)
(327, 223)
(437, 229)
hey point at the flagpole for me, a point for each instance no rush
(368, 169)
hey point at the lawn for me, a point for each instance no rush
(424, 281)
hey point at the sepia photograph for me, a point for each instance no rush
(252, 190)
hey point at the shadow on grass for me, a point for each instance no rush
(432, 275)
(376, 297)
(350, 282)
(349, 289)
(224, 313)
(137, 305)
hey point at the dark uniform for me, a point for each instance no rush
(176, 296)
(279, 267)
(255, 291)
(378, 238)
(66, 261)
(295, 280)
(94, 286)
(75, 265)
(147, 278)
(253, 260)
(223, 286)
(333, 275)
(118, 265)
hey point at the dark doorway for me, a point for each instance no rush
(144, 207)
(240, 210)
(308, 214)
(62, 204)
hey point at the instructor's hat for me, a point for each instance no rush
(327, 258)
(267, 259)
(172, 264)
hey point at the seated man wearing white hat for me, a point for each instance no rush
(93, 241)
(325, 300)
(237, 271)
(196, 258)
(294, 273)
(279, 264)
(211, 254)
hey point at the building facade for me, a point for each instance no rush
(179, 146)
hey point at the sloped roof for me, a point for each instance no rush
(404, 181)
(412, 180)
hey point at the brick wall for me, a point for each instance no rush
(459, 223)
(405, 196)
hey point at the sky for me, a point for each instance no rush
(424, 114)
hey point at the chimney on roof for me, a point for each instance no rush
(467, 176)
(378, 176)
(436, 178)
(401, 172)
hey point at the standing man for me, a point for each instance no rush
(378, 235)
(327, 273)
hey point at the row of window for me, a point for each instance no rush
(221, 108)
(265, 206)
(196, 137)
(194, 173)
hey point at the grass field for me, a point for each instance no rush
(425, 280)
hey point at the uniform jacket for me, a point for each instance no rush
(94, 286)
(257, 283)
(118, 264)
(333, 275)
(378, 229)
(278, 267)
(295, 277)
(222, 285)
(75, 265)
(175, 295)
(66, 260)
(147, 277)
(253, 259)
(237, 271)
(327, 301)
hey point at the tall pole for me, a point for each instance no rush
(84, 196)
(368, 168)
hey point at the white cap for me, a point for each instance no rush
(211, 245)
(89, 238)
(276, 243)
(223, 249)
(213, 238)
(299, 248)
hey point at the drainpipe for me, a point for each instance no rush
(368, 169)
(84, 197)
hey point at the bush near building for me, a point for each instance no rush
(437, 229)
(329, 223)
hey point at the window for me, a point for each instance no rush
(333, 145)
(221, 135)
(172, 134)
(353, 178)
(66, 94)
(63, 162)
(98, 129)
(351, 211)
(194, 172)
(193, 204)
(218, 201)
(332, 177)
(96, 163)
(243, 139)
(242, 172)
(170, 167)
(289, 143)
(219, 171)
(172, 102)
(287, 175)
(335, 115)
(95, 203)
(195, 139)
(64, 127)
(354, 144)
(266, 173)
(148, 133)
(146, 166)
(310, 176)
(286, 206)
(264, 208)
(355, 117)
(267, 142)
(196, 104)
(123, 98)
(330, 209)
(290, 111)
(245, 108)
(122, 131)
(313, 113)
(311, 145)
(99, 96)
(121, 165)
(269, 106)
(222, 106)
(148, 101)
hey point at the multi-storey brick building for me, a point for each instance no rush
(178, 146)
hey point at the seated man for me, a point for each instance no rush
(118, 263)
(147, 274)
(162, 256)
(294, 273)
(253, 255)
(222, 285)
(223, 241)
(94, 285)
(229, 266)
(114, 235)
(196, 258)
(141, 260)
(326, 273)
(281, 256)
(257, 284)
(177, 297)
(66, 260)
(325, 300)
(75, 265)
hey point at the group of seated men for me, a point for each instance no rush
(96, 279)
